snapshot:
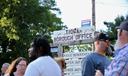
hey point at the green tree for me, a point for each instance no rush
(21, 20)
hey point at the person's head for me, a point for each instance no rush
(40, 47)
(61, 62)
(18, 64)
(101, 42)
(122, 35)
(4, 67)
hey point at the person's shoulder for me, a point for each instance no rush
(32, 66)
(33, 63)
(89, 56)
(39, 61)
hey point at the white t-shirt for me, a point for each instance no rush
(43, 66)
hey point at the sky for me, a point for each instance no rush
(74, 11)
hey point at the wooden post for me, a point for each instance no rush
(93, 19)
(93, 13)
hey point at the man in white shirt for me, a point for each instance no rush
(43, 63)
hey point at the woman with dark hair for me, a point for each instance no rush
(42, 63)
(17, 67)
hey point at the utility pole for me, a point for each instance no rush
(93, 19)
(93, 14)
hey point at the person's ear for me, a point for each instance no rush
(120, 32)
(108, 43)
(96, 42)
(40, 48)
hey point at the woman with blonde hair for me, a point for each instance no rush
(17, 67)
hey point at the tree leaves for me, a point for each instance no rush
(21, 20)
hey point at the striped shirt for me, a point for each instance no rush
(119, 65)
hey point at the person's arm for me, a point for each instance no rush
(31, 71)
(88, 67)
(98, 73)
(118, 67)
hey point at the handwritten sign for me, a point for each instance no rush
(73, 62)
(77, 34)
(75, 55)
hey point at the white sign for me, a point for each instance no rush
(75, 55)
(73, 63)
(73, 69)
(77, 34)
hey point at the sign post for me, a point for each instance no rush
(73, 37)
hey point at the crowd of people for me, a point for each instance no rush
(42, 63)
(96, 64)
